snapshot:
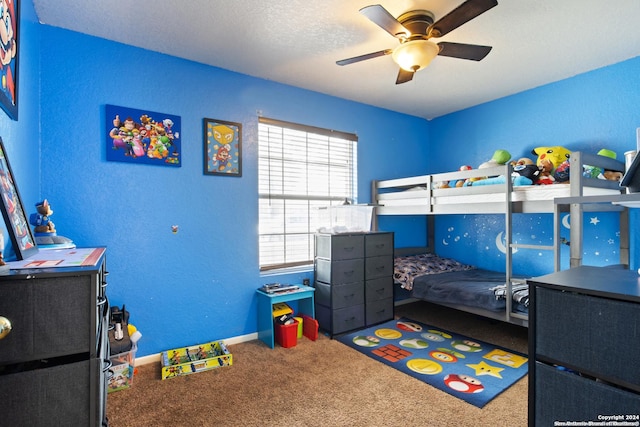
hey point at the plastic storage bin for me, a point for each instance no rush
(287, 335)
(345, 219)
(122, 366)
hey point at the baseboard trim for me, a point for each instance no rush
(155, 358)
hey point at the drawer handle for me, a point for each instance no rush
(101, 301)
(104, 284)
(380, 268)
(349, 249)
(5, 327)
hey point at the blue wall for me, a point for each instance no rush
(588, 112)
(199, 284)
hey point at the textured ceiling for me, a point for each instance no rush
(297, 42)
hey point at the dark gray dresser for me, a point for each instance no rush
(584, 341)
(54, 359)
(353, 280)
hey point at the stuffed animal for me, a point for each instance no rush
(549, 158)
(596, 172)
(525, 167)
(500, 157)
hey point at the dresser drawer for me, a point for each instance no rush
(61, 395)
(565, 396)
(337, 272)
(379, 311)
(50, 317)
(377, 289)
(378, 244)
(339, 296)
(339, 247)
(340, 320)
(588, 334)
(379, 266)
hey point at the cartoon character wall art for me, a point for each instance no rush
(137, 136)
(9, 56)
(222, 148)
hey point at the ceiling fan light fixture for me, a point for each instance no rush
(415, 55)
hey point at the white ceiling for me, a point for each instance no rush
(297, 42)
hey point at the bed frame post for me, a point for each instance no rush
(374, 200)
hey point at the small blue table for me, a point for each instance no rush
(304, 296)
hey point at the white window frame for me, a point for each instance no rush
(301, 169)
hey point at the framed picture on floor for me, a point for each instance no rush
(222, 148)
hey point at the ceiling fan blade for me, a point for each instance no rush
(364, 57)
(381, 17)
(404, 76)
(463, 51)
(460, 15)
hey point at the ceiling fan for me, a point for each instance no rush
(414, 29)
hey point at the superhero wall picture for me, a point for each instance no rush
(9, 10)
(222, 148)
(140, 136)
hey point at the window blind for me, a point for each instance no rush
(301, 169)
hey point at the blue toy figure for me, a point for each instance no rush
(45, 230)
(43, 226)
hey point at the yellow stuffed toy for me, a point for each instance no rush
(549, 158)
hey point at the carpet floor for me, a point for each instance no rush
(319, 383)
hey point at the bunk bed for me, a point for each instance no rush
(423, 195)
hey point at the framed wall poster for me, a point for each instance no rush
(141, 136)
(10, 14)
(222, 148)
(22, 240)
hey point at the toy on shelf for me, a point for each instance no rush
(45, 230)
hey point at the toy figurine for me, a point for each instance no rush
(45, 230)
(40, 220)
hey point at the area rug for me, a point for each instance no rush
(469, 369)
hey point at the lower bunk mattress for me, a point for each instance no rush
(446, 281)
(473, 288)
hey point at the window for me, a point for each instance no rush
(301, 169)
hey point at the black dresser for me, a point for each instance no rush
(584, 346)
(54, 360)
(353, 280)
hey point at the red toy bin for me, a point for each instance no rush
(287, 335)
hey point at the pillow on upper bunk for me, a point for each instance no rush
(407, 268)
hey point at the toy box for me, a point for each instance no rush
(198, 358)
(122, 366)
